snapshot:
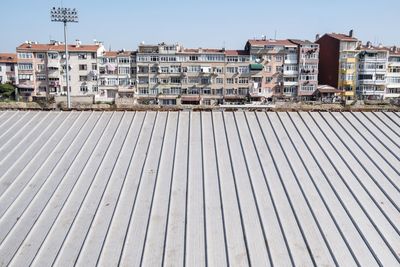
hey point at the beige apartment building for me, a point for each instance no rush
(116, 74)
(171, 74)
(42, 69)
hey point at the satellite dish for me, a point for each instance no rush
(258, 60)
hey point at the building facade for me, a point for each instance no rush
(8, 68)
(116, 74)
(42, 69)
(372, 63)
(393, 73)
(337, 62)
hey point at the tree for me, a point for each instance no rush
(7, 91)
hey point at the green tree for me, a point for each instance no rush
(7, 91)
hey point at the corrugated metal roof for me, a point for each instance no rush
(241, 188)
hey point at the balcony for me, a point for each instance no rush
(290, 72)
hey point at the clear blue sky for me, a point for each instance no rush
(206, 23)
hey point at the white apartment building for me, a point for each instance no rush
(42, 69)
(372, 65)
(8, 69)
(393, 73)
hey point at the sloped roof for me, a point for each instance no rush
(58, 48)
(151, 189)
(8, 58)
(342, 37)
(260, 42)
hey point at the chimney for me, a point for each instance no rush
(369, 44)
(77, 43)
(351, 33)
(317, 37)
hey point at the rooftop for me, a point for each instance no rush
(342, 37)
(8, 58)
(222, 188)
(262, 42)
(34, 47)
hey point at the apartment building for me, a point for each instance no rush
(42, 69)
(337, 62)
(269, 57)
(393, 73)
(372, 63)
(170, 74)
(115, 74)
(307, 69)
(8, 69)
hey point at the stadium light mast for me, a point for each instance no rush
(65, 15)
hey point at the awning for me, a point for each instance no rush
(191, 98)
(256, 67)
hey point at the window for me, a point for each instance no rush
(124, 70)
(279, 68)
(218, 91)
(143, 91)
(25, 77)
(231, 69)
(52, 55)
(25, 66)
(83, 88)
(365, 77)
(268, 68)
(42, 89)
(193, 68)
(192, 80)
(143, 80)
(153, 91)
(380, 77)
(40, 55)
(268, 79)
(230, 91)
(153, 80)
(205, 80)
(82, 56)
(243, 91)
(193, 58)
(230, 81)
(206, 91)
(94, 66)
(83, 78)
(41, 77)
(219, 70)
(123, 60)
(243, 80)
(232, 59)
(40, 67)
(83, 67)
(175, 91)
(164, 69)
(95, 88)
(309, 88)
(278, 58)
(153, 69)
(243, 69)
(219, 80)
(175, 80)
(25, 55)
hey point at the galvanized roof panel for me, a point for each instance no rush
(222, 188)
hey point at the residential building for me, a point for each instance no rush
(171, 74)
(115, 74)
(269, 57)
(42, 68)
(372, 63)
(393, 73)
(8, 69)
(307, 68)
(337, 62)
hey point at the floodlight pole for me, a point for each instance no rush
(65, 15)
(67, 66)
